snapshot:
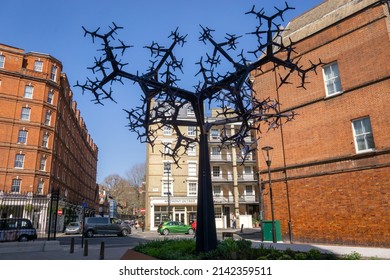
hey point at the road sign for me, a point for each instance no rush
(143, 210)
(59, 212)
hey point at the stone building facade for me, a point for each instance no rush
(171, 190)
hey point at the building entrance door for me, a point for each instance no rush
(180, 216)
(227, 216)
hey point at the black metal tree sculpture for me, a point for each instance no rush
(162, 99)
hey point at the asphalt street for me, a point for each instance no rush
(116, 247)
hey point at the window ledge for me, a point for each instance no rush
(334, 95)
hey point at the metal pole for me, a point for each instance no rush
(56, 214)
(50, 215)
(101, 256)
(169, 193)
(72, 245)
(271, 198)
(82, 228)
(260, 206)
(86, 248)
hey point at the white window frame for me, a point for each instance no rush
(38, 66)
(16, 183)
(42, 163)
(192, 168)
(167, 148)
(215, 151)
(26, 113)
(22, 135)
(365, 134)
(50, 96)
(217, 191)
(2, 61)
(47, 117)
(248, 168)
(214, 171)
(167, 130)
(28, 91)
(214, 134)
(191, 150)
(164, 187)
(332, 79)
(218, 212)
(192, 188)
(251, 188)
(53, 73)
(45, 140)
(191, 130)
(19, 161)
(40, 188)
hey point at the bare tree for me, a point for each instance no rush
(123, 192)
(229, 90)
(136, 175)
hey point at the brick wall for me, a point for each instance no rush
(336, 194)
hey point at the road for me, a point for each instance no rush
(110, 241)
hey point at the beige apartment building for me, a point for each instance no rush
(171, 190)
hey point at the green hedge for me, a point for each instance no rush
(228, 249)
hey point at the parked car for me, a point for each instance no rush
(168, 227)
(105, 225)
(17, 229)
(73, 228)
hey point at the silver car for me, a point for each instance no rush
(73, 228)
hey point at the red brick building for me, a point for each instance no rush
(44, 142)
(331, 165)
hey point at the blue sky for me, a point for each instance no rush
(55, 28)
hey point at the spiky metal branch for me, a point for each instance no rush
(230, 90)
(163, 100)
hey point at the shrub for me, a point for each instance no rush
(352, 256)
(228, 249)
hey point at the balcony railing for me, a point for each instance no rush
(217, 139)
(222, 199)
(229, 177)
(228, 157)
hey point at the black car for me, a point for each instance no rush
(17, 229)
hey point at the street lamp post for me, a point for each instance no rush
(260, 187)
(268, 162)
(169, 193)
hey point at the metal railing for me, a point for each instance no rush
(42, 210)
(230, 198)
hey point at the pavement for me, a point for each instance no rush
(53, 250)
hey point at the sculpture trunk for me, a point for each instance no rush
(206, 233)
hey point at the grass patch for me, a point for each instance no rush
(228, 249)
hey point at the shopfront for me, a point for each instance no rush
(180, 209)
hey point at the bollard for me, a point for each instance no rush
(72, 245)
(102, 250)
(242, 227)
(86, 247)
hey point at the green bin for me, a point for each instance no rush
(267, 230)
